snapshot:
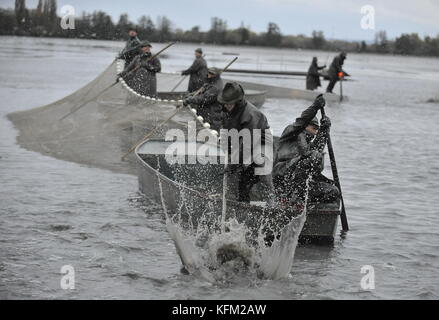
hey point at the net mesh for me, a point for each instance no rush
(100, 128)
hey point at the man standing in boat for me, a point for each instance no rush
(300, 155)
(241, 116)
(131, 49)
(313, 76)
(197, 71)
(140, 74)
(336, 72)
(205, 99)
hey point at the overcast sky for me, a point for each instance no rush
(337, 18)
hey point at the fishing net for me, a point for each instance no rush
(97, 128)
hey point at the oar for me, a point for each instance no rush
(343, 217)
(116, 82)
(151, 133)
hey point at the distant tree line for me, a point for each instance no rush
(43, 21)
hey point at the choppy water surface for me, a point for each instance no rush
(56, 213)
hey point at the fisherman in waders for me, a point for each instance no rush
(336, 72)
(131, 49)
(205, 99)
(300, 156)
(197, 72)
(313, 76)
(241, 118)
(140, 74)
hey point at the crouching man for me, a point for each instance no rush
(300, 157)
(247, 138)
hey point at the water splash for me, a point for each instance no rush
(219, 249)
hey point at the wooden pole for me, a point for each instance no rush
(343, 217)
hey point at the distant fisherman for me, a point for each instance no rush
(197, 72)
(131, 49)
(300, 155)
(313, 76)
(206, 101)
(140, 74)
(336, 71)
(242, 115)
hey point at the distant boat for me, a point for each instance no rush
(230, 54)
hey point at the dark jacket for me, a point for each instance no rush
(143, 80)
(198, 74)
(313, 76)
(207, 104)
(295, 143)
(131, 50)
(246, 116)
(336, 67)
(242, 177)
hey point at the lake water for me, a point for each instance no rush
(55, 213)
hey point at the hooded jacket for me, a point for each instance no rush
(246, 116)
(295, 143)
(313, 76)
(336, 67)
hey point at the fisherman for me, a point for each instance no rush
(205, 99)
(313, 76)
(243, 176)
(300, 156)
(131, 49)
(140, 74)
(197, 72)
(336, 72)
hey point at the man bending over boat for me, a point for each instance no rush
(140, 74)
(205, 99)
(336, 72)
(197, 71)
(300, 155)
(242, 177)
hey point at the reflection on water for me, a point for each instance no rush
(55, 213)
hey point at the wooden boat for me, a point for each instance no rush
(256, 97)
(194, 191)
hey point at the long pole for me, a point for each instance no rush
(116, 82)
(343, 217)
